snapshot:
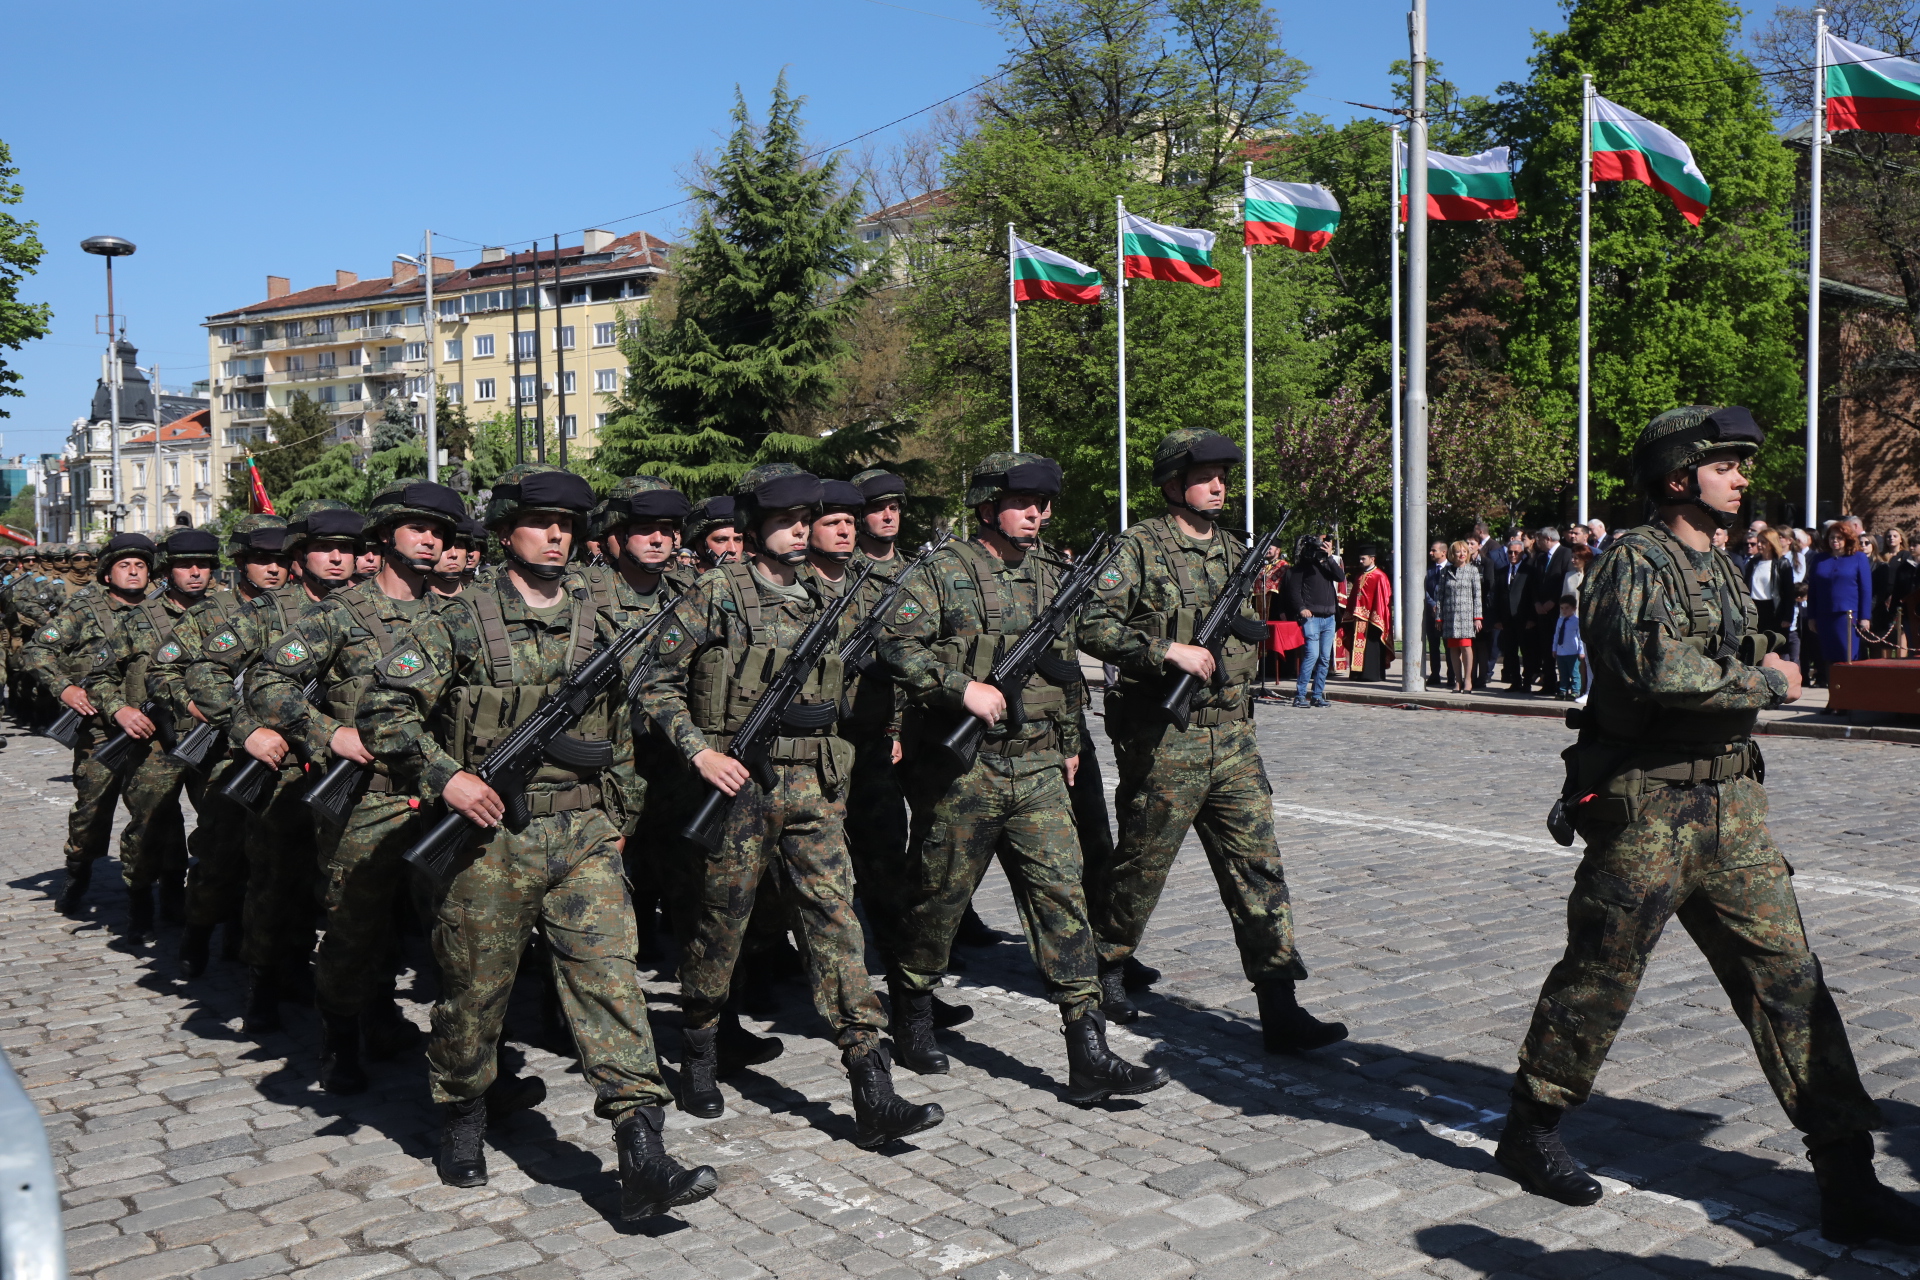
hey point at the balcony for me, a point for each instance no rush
(252, 413)
(317, 374)
(323, 339)
(393, 368)
(248, 379)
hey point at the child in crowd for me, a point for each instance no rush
(1800, 635)
(1569, 652)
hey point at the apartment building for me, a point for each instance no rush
(530, 333)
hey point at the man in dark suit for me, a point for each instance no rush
(1509, 602)
(1552, 561)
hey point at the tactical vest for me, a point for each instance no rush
(100, 608)
(483, 714)
(726, 681)
(1240, 663)
(134, 684)
(1044, 697)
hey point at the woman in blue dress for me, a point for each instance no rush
(1841, 595)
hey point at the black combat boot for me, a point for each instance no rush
(737, 1048)
(340, 1069)
(1094, 1072)
(882, 1115)
(140, 915)
(699, 1072)
(388, 1032)
(508, 1094)
(173, 897)
(462, 1158)
(1855, 1207)
(74, 891)
(196, 948)
(1114, 1000)
(1531, 1150)
(263, 1003)
(1285, 1026)
(913, 1039)
(1137, 976)
(947, 1015)
(651, 1181)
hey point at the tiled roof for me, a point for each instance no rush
(912, 208)
(192, 427)
(636, 249)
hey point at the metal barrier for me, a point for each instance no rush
(32, 1237)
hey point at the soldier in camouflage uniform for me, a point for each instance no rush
(59, 656)
(970, 601)
(709, 532)
(35, 605)
(1665, 784)
(153, 846)
(465, 676)
(214, 644)
(721, 646)
(1208, 777)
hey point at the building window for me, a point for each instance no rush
(329, 394)
(563, 337)
(603, 334)
(327, 360)
(415, 387)
(449, 308)
(291, 329)
(453, 392)
(200, 472)
(416, 351)
(173, 473)
(139, 475)
(323, 325)
(453, 349)
(482, 344)
(483, 388)
(570, 425)
(296, 363)
(353, 391)
(205, 510)
(523, 344)
(604, 379)
(567, 383)
(358, 320)
(600, 421)
(528, 389)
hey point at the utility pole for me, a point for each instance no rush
(1412, 647)
(519, 409)
(433, 369)
(539, 374)
(111, 247)
(1819, 147)
(559, 359)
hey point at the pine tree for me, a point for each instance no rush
(764, 293)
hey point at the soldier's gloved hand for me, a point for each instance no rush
(76, 698)
(1073, 769)
(1192, 659)
(985, 702)
(266, 746)
(1787, 669)
(722, 771)
(136, 724)
(346, 742)
(479, 803)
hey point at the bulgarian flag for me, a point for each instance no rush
(1465, 188)
(1151, 251)
(1043, 274)
(257, 500)
(1300, 215)
(1632, 148)
(1868, 90)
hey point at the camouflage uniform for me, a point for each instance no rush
(876, 806)
(32, 605)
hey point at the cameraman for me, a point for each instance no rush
(1308, 595)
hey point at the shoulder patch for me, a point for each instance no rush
(407, 662)
(169, 652)
(290, 654)
(1111, 578)
(50, 635)
(909, 610)
(222, 642)
(670, 639)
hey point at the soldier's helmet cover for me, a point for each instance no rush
(324, 520)
(638, 499)
(257, 533)
(538, 489)
(877, 485)
(122, 546)
(999, 474)
(1191, 447)
(771, 487)
(405, 500)
(184, 546)
(1681, 438)
(841, 495)
(714, 513)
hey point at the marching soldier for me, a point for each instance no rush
(65, 570)
(708, 531)
(971, 600)
(1210, 776)
(472, 670)
(1665, 786)
(722, 645)
(59, 656)
(153, 846)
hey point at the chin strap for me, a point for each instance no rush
(388, 551)
(838, 557)
(797, 556)
(323, 587)
(545, 572)
(1725, 519)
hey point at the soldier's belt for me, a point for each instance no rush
(1721, 768)
(1117, 704)
(542, 804)
(1014, 748)
(784, 750)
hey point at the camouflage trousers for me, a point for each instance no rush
(1016, 808)
(1212, 780)
(1090, 816)
(97, 790)
(877, 833)
(1702, 853)
(793, 837)
(561, 875)
(153, 844)
(282, 880)
(364, 873)
(217, 851)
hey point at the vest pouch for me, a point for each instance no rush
(1241, 662)
(482, 715)
(1184, 624)
(708, 688)
(749, 681)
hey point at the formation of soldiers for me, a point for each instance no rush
(757, 741)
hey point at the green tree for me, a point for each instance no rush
(20, 252)
(1681, 315)
(296, 440)
(19, 512)
(765, 291)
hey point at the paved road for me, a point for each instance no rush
(1429, 899)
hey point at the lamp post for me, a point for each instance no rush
(425, 263)
(111, 247)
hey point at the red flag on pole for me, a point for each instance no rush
(257, 500)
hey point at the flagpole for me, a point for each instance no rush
(1246, 252)
(1412, 677)
(1120, 262)
(1813, 267)
(1400, 560)
(1586, 280)
(1013, 339)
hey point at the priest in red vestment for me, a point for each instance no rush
(1367, 627)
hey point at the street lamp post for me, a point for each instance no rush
(111, 247)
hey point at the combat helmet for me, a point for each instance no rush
(403, 501)
(257, 533)
(122, 546)
(1683, 438)
(639, 498)
(877, 485)
(535, 488)
(324, 520)
(714, 513)
(772, 487)
(999, 474)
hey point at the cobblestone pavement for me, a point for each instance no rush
(1429, 899)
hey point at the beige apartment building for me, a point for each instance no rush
(516, 332)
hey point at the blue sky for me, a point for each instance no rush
(231, 143)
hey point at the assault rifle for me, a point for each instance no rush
(1221, 620)
(541, 735)
(192, 750)
(753, 744)
(66, 728)
(114, 751)
(857, 652)
(331, 798)
(247, 786)
(1029, 652)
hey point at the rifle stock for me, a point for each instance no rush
(193, 749)
(114, 751)
(66, 728)
(332, 798)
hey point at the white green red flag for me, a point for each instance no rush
(1869, 90)
(1300, 215)
(1041, 274)
(1464, 188)
(1152, 251)
(1631, 148)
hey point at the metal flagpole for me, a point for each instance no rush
(539, 370)
(1013, 339)
(433, 369)
(1400, 561)
(1586, 281)
(1412, 677)
(1120, 262)
(1246, 252)
(1813, 267)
